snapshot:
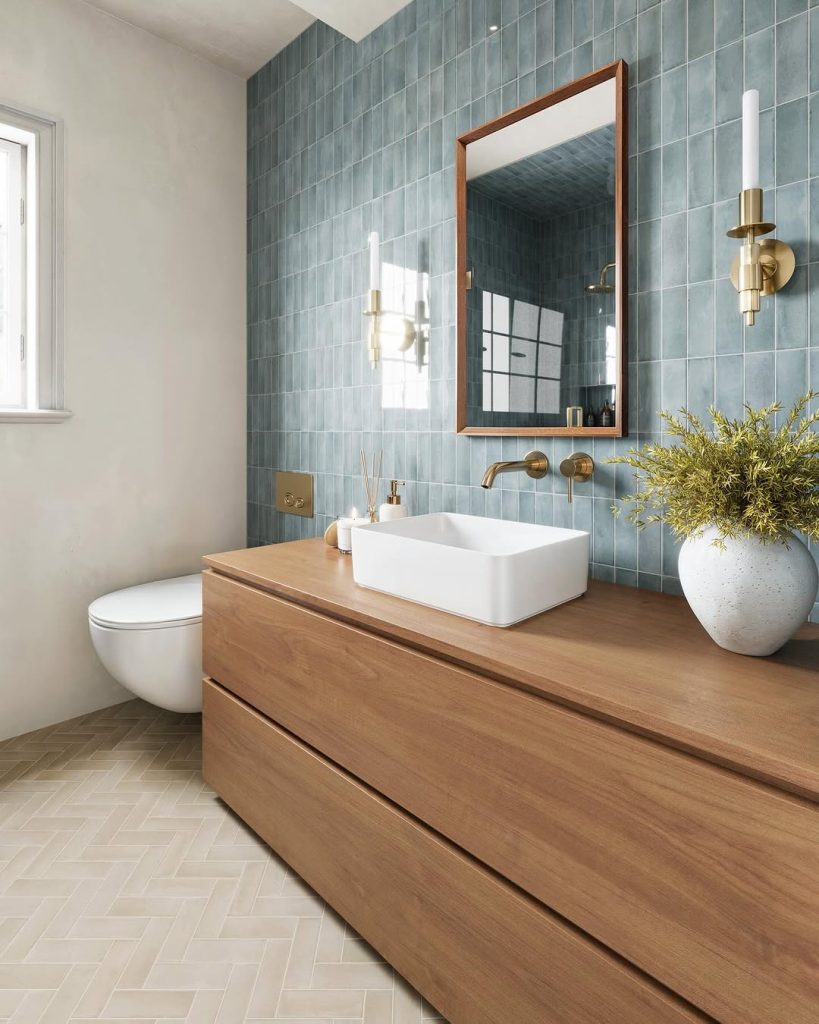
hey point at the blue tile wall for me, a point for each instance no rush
(346, 138)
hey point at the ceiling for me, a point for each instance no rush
(242, 35)
(576, 174)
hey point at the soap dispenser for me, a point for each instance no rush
(392, 507)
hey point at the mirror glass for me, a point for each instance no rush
(542, 247)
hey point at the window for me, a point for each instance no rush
(12, 275)
(30, 353)
(522, 354)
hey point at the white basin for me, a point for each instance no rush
(491, 570)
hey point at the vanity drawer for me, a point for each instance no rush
(480, 951)
(704, 879)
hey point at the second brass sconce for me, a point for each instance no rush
(764, 265)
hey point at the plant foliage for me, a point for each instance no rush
(743, 476)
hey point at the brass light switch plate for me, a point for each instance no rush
(294, 493)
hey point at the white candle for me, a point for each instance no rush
(375, 263)
(750, 139)
(345, 527)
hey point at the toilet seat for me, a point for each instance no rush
(160, 605)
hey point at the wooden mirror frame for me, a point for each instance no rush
(618, 70)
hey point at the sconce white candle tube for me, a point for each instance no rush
(375, 262)
(750, 139)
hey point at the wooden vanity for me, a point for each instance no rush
(594, 817)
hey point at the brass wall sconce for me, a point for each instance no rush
(762, 266)
(411, 330)
(373, 311)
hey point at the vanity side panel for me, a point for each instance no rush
(704, 879)
(476, 948)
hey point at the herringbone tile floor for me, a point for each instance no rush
(130, 893)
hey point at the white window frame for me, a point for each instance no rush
(41, 138)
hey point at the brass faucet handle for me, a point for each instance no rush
(578, 466)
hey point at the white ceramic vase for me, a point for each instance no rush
(751, 597)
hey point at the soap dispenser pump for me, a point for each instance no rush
(392, 507)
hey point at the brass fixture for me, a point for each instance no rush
(294, 494)
(574, 416)
(602, 287)
(762, 267)
(578, 466)
(534, 464)
(373, 311)
(410, 329)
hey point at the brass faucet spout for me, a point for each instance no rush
(535, 464)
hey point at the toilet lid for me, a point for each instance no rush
(175, 602)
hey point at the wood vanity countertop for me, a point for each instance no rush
(629, 656)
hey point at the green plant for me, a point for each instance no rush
(744, 476)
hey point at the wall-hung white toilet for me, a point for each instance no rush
(149, 638)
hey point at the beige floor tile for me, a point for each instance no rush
(129, 894)
(325, 1003)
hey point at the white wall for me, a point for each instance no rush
(150, 472)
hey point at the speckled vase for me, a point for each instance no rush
(750, 597)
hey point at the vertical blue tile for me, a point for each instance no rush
(675, 250)
(792, 141)
(730, 387)
(792, 59)
(728, 71)
(728, 166)
(701, 94)
(791, 377)
(675, 384)
(729, 21)
(649, 184)
(675, 323)
(648, 44)
(675, 176)
(701, 243)
(792, 312)
(649, 105)
(700, 385)
(674, 33)
(700, 28)
(759, 66)
(760, 378)
(675, 104)
(727, 319)
(701, 319)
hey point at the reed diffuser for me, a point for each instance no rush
(372, 481)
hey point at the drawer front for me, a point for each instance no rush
(705, 880)
(477, 949)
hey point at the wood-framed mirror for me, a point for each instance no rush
(542, 261)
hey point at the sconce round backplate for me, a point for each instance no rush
(778, 264)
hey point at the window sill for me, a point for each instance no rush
(34, 415)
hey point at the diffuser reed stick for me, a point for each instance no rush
(372, 483)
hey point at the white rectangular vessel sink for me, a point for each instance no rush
(491, 570)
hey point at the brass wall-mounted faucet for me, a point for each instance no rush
(578, 466)
(535, 464)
